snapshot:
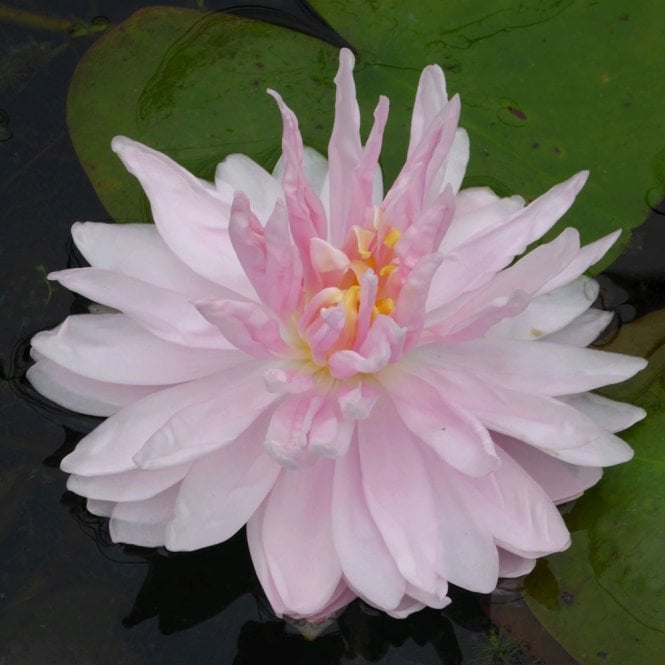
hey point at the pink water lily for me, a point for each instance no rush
(371, 383)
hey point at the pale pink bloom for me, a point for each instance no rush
(371, 383)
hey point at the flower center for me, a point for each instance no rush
(359, 283)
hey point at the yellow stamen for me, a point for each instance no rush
(387, 269)
(350, 303)
(384, 306)
(392, 237)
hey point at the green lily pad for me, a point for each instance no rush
(193, 85)
(604, 598)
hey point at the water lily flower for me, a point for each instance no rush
(373, 384)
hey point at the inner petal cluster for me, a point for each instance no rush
(360, 282)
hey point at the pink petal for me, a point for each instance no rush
(541, 421)
(515, 509)
(399, 494)
(468, 554)
(190, 218)
(476, 261)
(158, 509)
(246, 325)
(561, 481)
(307, 218)
(512, 565)
(330, 433)
(298, 540)
(111, 446)
(137, 250)
(542, 368)
(222, 491)
(367, 564)
(424, 236)
(410, 305)
(431, 97)
(455, 435)
(357, 400)
(525, 276)
(197, 429)
(286, 439)
(344, 149)
(477, 211)
(111, 347)
(166, 314)
(549, 312)
(127, 486)
(134, 533)
(257, 551)
(608, 413)
(586, 257)
(583, 330)
(238, 172)
(81, 394)
(382, 345)
(405, 200)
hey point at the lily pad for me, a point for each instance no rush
(603, 599)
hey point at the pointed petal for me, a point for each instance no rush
(246, 325)
(81, 394)
(137, 250)
(110, 347)
(191, 219)
(535, 367)
(166, 314)
(133, 485)
(344, 149)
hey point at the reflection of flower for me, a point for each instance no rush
(370, 383)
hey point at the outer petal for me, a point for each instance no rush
(366, 562)
(561, 481)
(468, 554)
(137, 250)
(222, 491)
(399, 494)
(110, 347)
(81, 394)
(166, 314)
(191, 219)
(298, 541)
(457, 437)
(583, 330)
(543, 368)
(514, 508)
(110, 448)
(134, 485)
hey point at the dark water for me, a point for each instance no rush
(67, 595)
